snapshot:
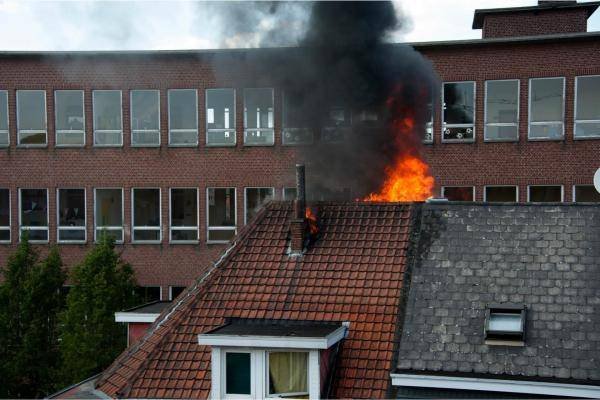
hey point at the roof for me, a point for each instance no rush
(354, 272)
(546, 257)
(274, 327)
(149, 308)
(480, 14)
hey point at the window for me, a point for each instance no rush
(175, 291)
(70, 117)
(220, 117)
(585, 194)
(237, 373)
(502, 110)
(255, 199)
(428, 131)
(587, 106)
(258, 117)
(184, 215)
(288, 374)
(108, 125)
(459, 193)
(546, 108)
(31, 117)
(4, 215)
(71, 215)
(148, 294)
(108, 213)
(33, 213)
(336, 125)
(183, 117)
(545, 194)
(221, 204)
(295, 129)
(145, 118)
(289, 193)
(505, 324)
(4, 135)
(501, 194)
(146, 215)
(458, 112)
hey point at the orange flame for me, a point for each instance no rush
(312, 221)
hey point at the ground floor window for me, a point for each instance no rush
(459, 193)
(4, 215)
(33, 213)
(544, 194)
(108, 213)
(585, 194)
(255, 199)
(71, 215)
(501, 194)
(221, 205)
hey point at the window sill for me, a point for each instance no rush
(71, 241)
(297, 144)
(67, 146)
(146, 241)
(217, 241)
(32, 146)
(259, 144)
(108, 145)
(595, 137)
(221, 144)
(145, 145)
(530, 139)
(183, 145)
(5, 241)
(450, 141)
(512, 343)
(184, 242)
(501, 140)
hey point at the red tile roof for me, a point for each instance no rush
(353, 272)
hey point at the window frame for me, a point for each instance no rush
(498, 337)
(171, 298)
(9, 227)
(443, 189)
(220, 228)
(110, 227)
(285, 129)
(146, 227)
(501, 124)
(185, 228)
(268, 377)
(485, 200)
(107, 130)
(283, 190)
(19, 130)
(562, 193)
(562, 122)
(57, 131)
(132, 131)
(575, 121)
(35, 228)
(574, 196)
(443, 115)
(171, 130)
(246, 198)
(78, 228)
(7, 131)
(246, 129)
(232, 130)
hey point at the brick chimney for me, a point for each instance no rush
(298, 225)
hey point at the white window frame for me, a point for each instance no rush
(231, 130)
(492, 186)
(443, 115)
(171, 298)
(574, 197)
(443, 190)
(9, 227)
(71, 228)
(530, 123)
(246, 198)
(220, 228)
(247, 130)
(19, 130)
(57, 131)
(268, 379)
(562, 192)
(169, 91)
(7, 131)
(110, 130)
(283, 189)
(575, 121)
(501, 124)
(110, 227)
(157, 131)
(145, 227)
(185, 228)
(34, 228)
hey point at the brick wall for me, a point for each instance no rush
(532, 23)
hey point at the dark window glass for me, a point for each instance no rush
(543, 194)
(34, 210)
(184, 214)
(255, 199)
(71, 214)
(176, 291)
(463, 193)
(146, 214)
(501, 194)
(289, 194)
(221, 213)
(295, 120)
(109, 213)
(147, 294)
(4, 215)
(237, 373)
(459, 110)
(586, 194)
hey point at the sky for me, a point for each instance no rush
(164, 25)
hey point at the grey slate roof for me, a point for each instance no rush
(544, 256)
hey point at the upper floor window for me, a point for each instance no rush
(69, 117)
(108, 125)
(183, 117)
(220, 117)
(4, 215)
(31, 117)
(458, 112)
(33, 214)
(184, 215)
(146, 215)
(502, 110)
(585, 194)
(336, 124)
(258, 117)
(221, 222)
(428, 132)
(108, 213)
(587, 106)
(295, 129)
(145, 118)
(289, 193)
(255, 199)
(4, 135)
(546, 108)
(71, 215)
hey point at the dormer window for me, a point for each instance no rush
(505, 325)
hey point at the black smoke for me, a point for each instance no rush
(345, 65)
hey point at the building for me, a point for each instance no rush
(155, 147)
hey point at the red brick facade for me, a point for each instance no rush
(533, 23)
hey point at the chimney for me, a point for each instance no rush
(298, 224)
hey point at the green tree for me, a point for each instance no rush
(30, 301)
(90, 337)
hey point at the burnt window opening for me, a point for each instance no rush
(545, 194)
(458, 112)
(289, 193)
(501, 194)
(585, 194)
(459, 193)
(337, 123)
(295, 120)
(505, 324)
(175, 291)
